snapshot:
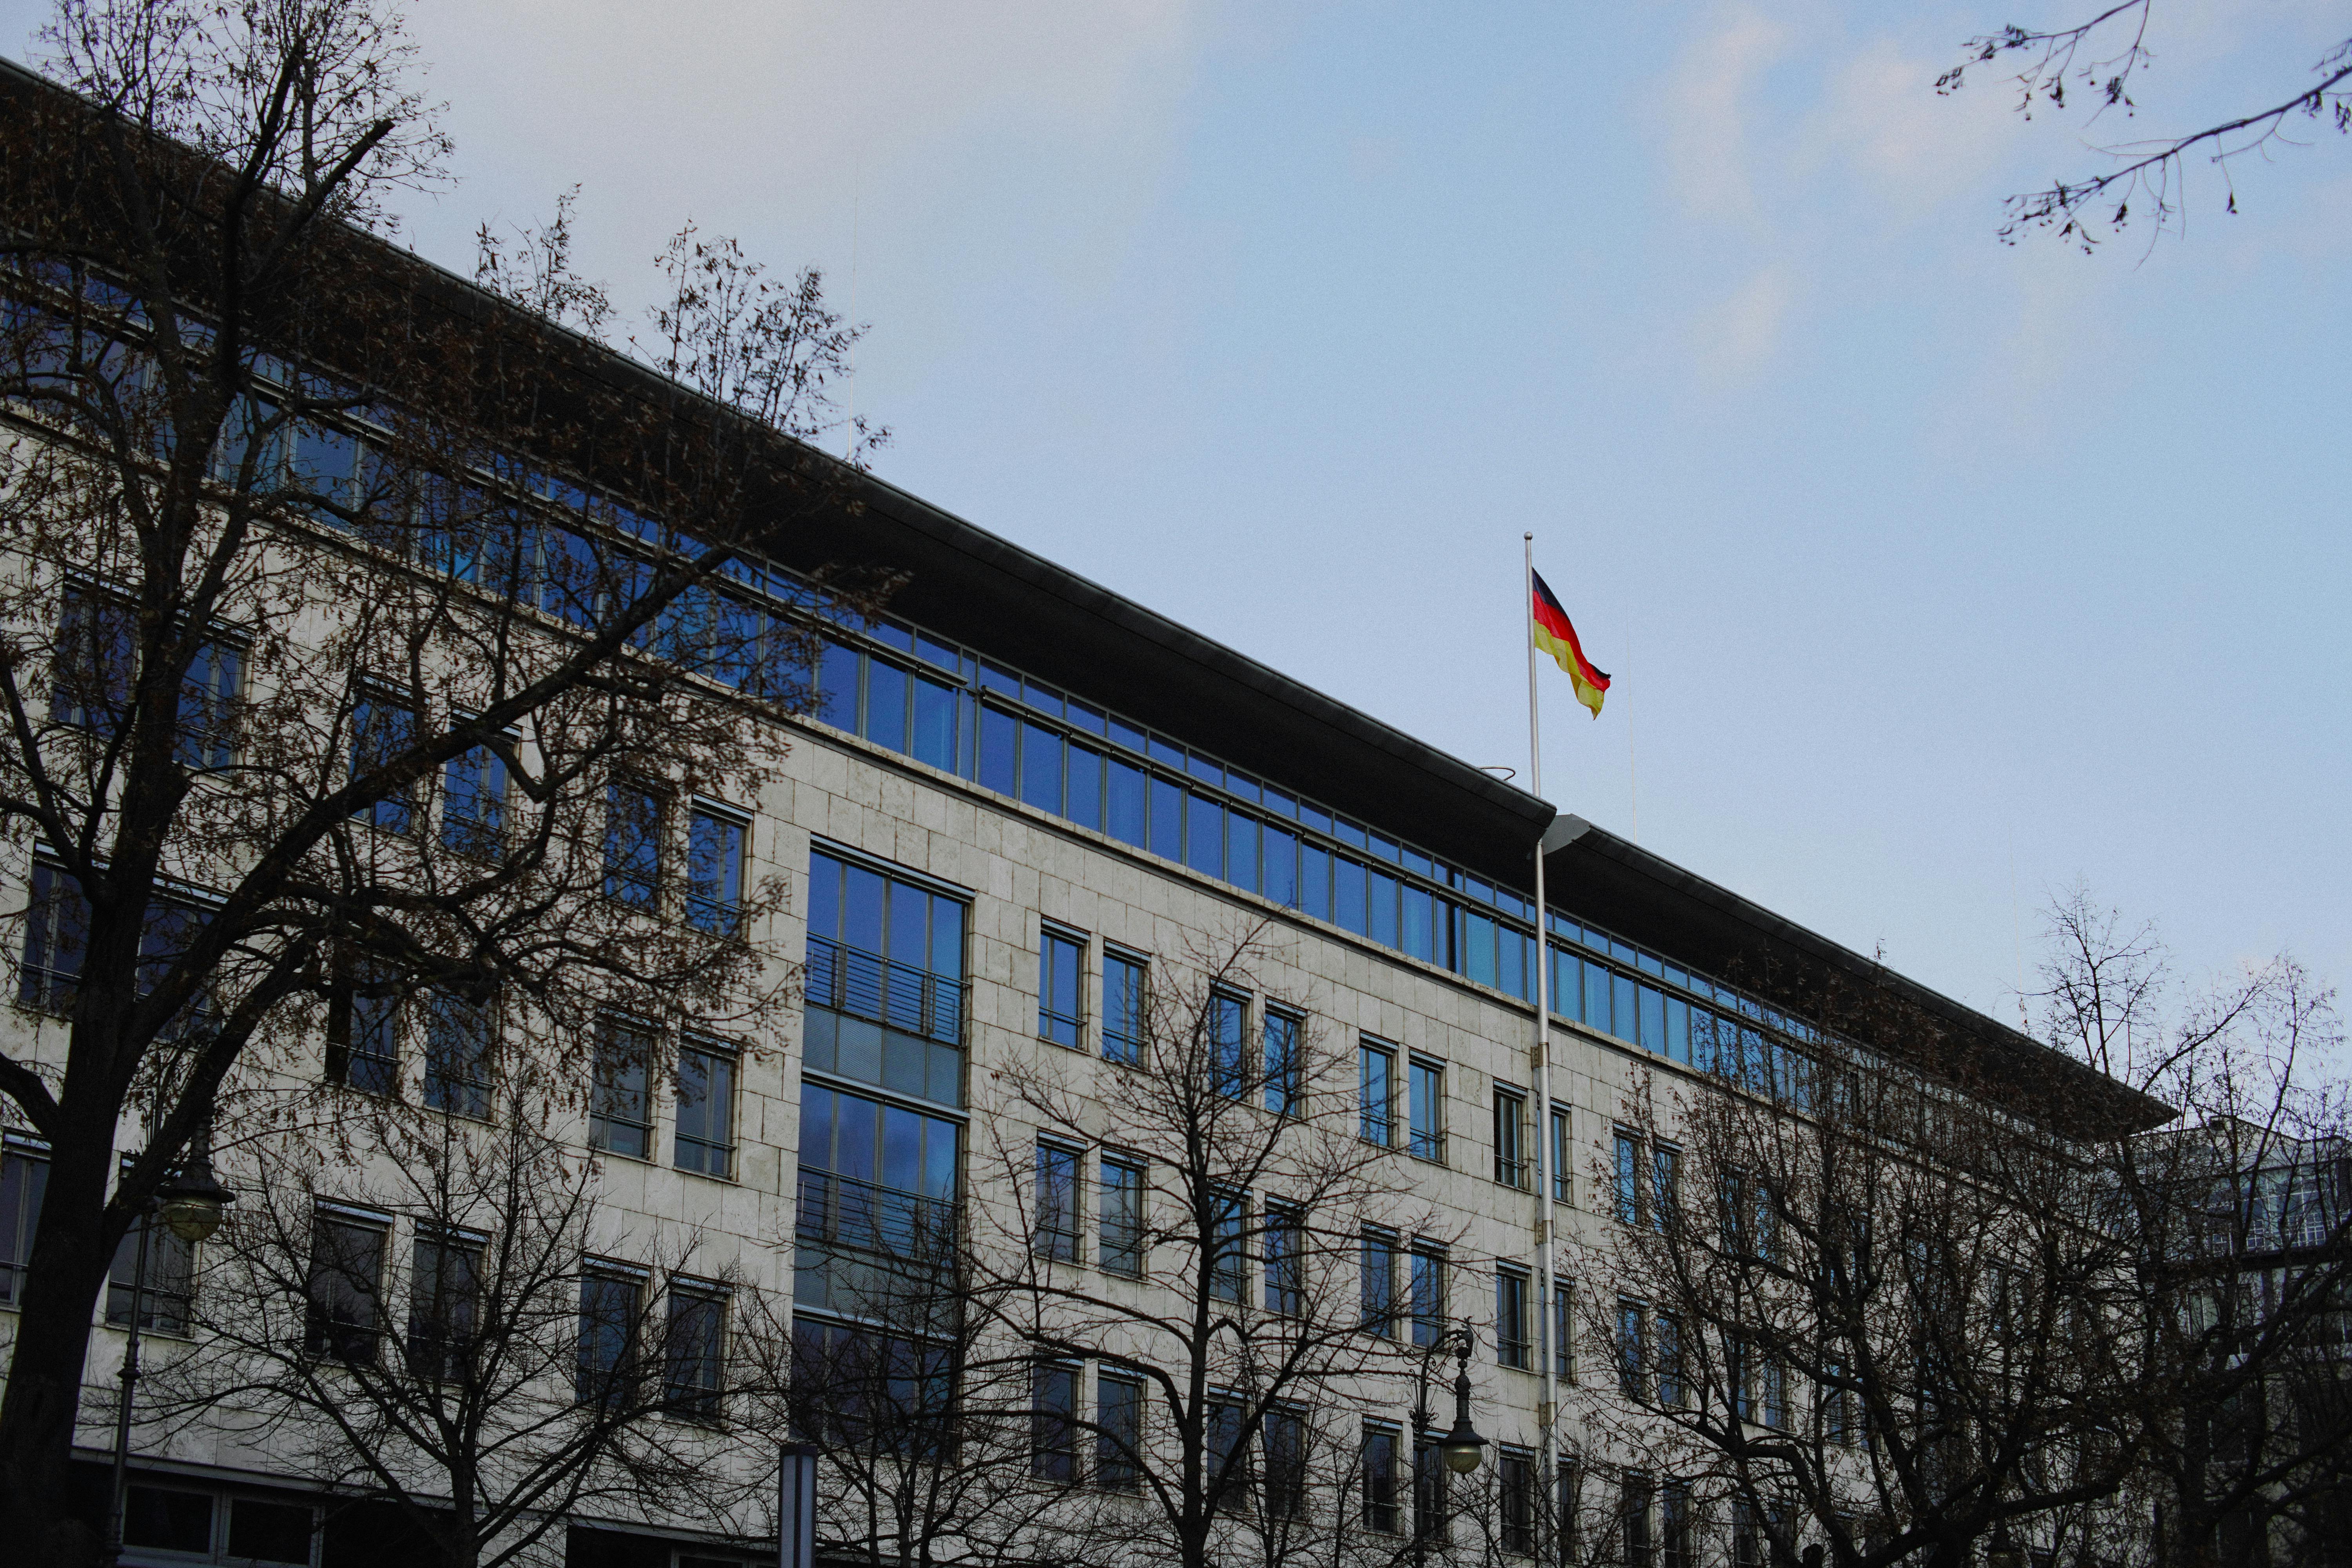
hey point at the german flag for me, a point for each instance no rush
(1557, 638)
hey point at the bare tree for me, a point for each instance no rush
(440, 1336)
(2096, 63)
(363, 634)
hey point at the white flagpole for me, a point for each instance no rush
(1548, 1417)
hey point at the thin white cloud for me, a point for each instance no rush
(1733, 342)
(1709, 147)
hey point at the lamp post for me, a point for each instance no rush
(189, 1202)
(1462, 1448)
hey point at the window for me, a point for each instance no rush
(876, 1177)
(1629, 1179)
(1739, 1371)
(457, 1037)
(1122, 1216)
(609, 1306)
(1229, 1045)
(620, 1115)
(1428, 1109)
(57, 929)
(1511, 1347)
(1836, 1405)
(1568, 1484)
(1428, 1290)
(693, 1354)
(384, 725)
(1747, 1224)
(1285, 1463)
(1563, 1157)
(1376, 1072)
(1516, 1481)
(1228, 1260)
(715, 843)
(1511, 1163)
(1672, 1388)
(1429, 1500)
(1563, 1331)
(1126, 1001)
(1284, 1247)
(1227, 1436)
(1282, 1038)
(24, 1176)
(1633, 1521)
(1772, 1392)
(1632, 1350)
(1057, 1204)
(344, 1289)
(706, 1108)
(884, 984)
(1379, 1480)
(171, 1279)
(633, 825)
(95, 662)
(445, 1295)
(1675, 1526)
(208, 696)
(363, 1030)
(1118, 1431)
(1061, 987)
(1666, 1184)
(1053, 1422)
(1746, 1548)
(473, 804)
(1380, 1283)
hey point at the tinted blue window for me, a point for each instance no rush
(1042, 697)
(1510, 962)
(1241, 850)
(1624, 1001)
(1381, 909)
(886, 704)
(932, 651)
(1126, 803)
(1418, 929)
(947, 938)
(1315, 881)
(1653, 1019)
(999, 735)
(1678, 1033)
(1597, 993)
(1126, 734)
(1314, 817)
(1167, 752)
(1349, 832)
(910, 925)
(1281, 878)
(861, 908)
(1384, 849)
(1085, 806)
(1167, 819)
(1415, 860)
(1085, 717)
(1242, 785)
(994, 679)
(1206, 769)
(890, 634)
(1348, 893)
(1204, 848)
(1280, 803)
(935, 725)
(1041, 767)
(825, 896)
(1478, 948)
(837, 687)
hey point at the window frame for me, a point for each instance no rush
(1513, 1166)
(1135, 1035)
(721, 915)
(1425, 1141)
(601, 1120)
(1127, 1259)
(1514, 1344)
(718, 1153)
(1368, 1051)
(1056, 941)
(324, 1337)
(1064, 1242)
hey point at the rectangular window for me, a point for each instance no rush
(1629, 1179)
(1282, 1033)
(1061, 987)
(1057, 1204)
(1227, 1436)
(938, 724)
(208, 701)
(1430, 1520)
(716, 842)
(609, 1307)
(57, 929)
(1228, 1248)
(1566, 1485)
(1632, 1351)
(445, 1299)
(1511, 1348)
(1674, 1541)
(1666, 1184)
(171, 1281)
(886, 703)
(1229, 1065)
(1379, 1480)
(1041, 767)
(343, 1308)
(1118, 1431)
(1836, 1405)
(632, 845)
(459, 1036)
(1516, 1483)
(23, 1178)
(95, 662)
(1377, 1075)
(1125, 1008)
(1428, 1288)
(363, 1030)
(382, 726)
(1428, 1109)
(1084, 801)
(1122, 1216)
(706, 1108)
(1380, 1283)
(694, 1352)
(1563, 1331)
(1285, 1481)
(1511, 1163)
(1563, 1157)
(1126, 798)
(1772, 1392)
(1671, 1389)
(1283, 1246)
(1633, 1521)
(473, 804)
(620, 1119)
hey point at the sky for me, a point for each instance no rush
(1937, 575)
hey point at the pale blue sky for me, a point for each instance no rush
(1935, 574)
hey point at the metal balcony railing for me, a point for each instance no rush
(841, 1211)
(900, 995)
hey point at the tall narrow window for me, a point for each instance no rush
(95, 664)
(1057, 1203)
(382, 726)
(1632, 1350)
(473, 804)
(1379, 1480)
(1227, 1436)
(1380, 1283)
(1563, 1331)
(1563, 1158)
(56, 928)
(344, 1308)
(1633, 1522)
(1666, 1184)
(1285, 1481)
(1511, 1320)
(632, 845)
(1228, 1248)
(1674, 1542)
(1376, 1073)
(1282, 1031)
(1229, 1064)
(620, 1119)
(1772, 1392)
(171, 1282)
(1567, 1486)
(363, 1029)
(444, 1298)
(1284, 1244)
(23, 1177)
(1428, 1288)
(1061, 987)
(609, 1307)
(1428, 1109)
(1511, 1164)
(706, 1108)
(1125, 1007)
(457, 1045)
(1629, 1179)
(1122, 1216)
(1430, 1520)
(1118, 1431)
(1669, 1336)
(694, 1352)
(208, 699)
(1516, 1483)
(715, 846)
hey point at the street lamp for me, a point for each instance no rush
(189, 1202)
(1460, 1448)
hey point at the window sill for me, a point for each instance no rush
(702, 1175)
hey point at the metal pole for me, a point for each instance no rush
(129, 1376)
(796, 1506)
(1548, 1411)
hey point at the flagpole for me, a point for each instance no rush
(1548, 1417)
